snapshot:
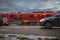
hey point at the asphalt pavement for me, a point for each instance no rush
(29, 30)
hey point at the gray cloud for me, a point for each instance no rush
(28, 5)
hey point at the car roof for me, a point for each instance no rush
(57, 14)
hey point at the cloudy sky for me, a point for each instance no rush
(29, 5)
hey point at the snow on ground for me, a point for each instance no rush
(25, 37)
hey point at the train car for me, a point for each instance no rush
(12, 17)
(29, 18)
(33, 17)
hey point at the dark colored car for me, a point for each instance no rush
(1, 21)
(50, 21)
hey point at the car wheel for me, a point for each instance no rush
(48, 25)
(7, 24)
(0, 24)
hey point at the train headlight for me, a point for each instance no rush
(42, 20)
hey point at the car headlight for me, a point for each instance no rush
(42, 20)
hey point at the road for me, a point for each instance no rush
(29, 30)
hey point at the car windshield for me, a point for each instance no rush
(58, 15)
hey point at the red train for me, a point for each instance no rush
(27, 17)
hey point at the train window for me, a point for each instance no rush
(15, 17)
(41, 16)
(31, 16)
(26, 17)
(11, 16)
(38, 16)
(20, 17)
(35, 15)
(48, 15)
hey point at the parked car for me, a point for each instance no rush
(5, 21)
(49, 22)
(1, 21)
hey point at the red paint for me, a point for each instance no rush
(11, 16)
